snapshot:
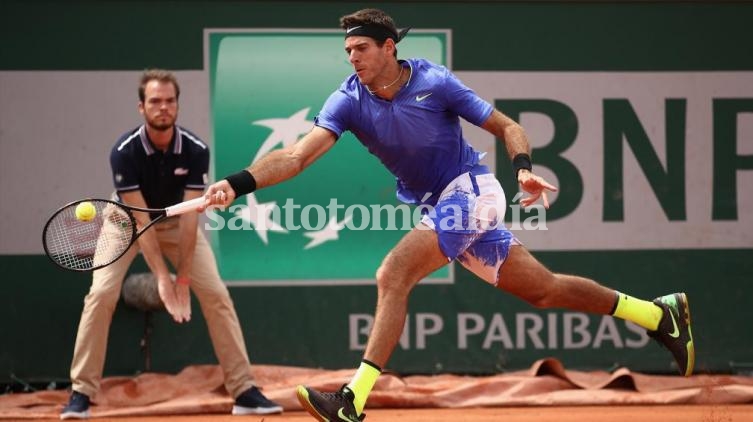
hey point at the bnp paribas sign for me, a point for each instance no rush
(332, 224)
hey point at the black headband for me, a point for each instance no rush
(377, 32)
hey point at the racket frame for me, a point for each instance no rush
(174, 210)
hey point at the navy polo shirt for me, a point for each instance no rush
(162, 177)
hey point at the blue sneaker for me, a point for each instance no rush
(253, 402)
(77, 407)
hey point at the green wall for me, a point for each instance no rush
(306, 326)
(643, 35)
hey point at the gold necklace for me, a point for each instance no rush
(399, 75)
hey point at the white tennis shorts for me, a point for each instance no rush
(469, 221)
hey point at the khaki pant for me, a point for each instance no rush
(212, 294)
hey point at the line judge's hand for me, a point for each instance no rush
(166, 291)
(535, 186)
(219, 194)
(183, 298)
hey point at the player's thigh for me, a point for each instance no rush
(523, 275)
(414, 257)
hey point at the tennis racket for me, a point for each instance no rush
(79, 245)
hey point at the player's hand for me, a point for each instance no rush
(183, 296)
(219, 194)
(536, 188)
(166, 290)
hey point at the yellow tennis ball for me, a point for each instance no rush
(85, 211)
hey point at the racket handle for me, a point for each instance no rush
(184, 207)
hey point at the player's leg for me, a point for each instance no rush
(445, 232)
(416, 256)
(666, 318)
(525, 277)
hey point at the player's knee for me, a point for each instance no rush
(390, 281)
(382, 277)
(540, 300)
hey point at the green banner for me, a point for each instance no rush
(334, 223)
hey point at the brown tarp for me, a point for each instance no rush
(198, 390)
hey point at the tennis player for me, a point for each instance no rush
(407, 113)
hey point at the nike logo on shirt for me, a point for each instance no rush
(420, 98)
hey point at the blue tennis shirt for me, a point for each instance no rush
(417, 135)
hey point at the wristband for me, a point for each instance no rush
(242, 183)
(520, 162)
(183, 281)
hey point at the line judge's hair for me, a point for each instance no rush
(164, 76)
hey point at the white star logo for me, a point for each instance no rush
(329, 232)
(259, 215)
(285, 131)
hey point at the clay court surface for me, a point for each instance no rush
(545, 392)
(612, 413)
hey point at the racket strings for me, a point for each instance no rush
(83, 245)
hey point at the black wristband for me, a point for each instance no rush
(520, 162)
(242, 183)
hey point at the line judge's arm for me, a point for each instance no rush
(148, 243)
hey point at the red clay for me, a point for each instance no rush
(665, 413)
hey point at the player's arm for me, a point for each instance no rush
(519, 150)
(275, 167)
(283, 164)
(507, 129)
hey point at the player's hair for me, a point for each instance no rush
(161, 75)
(370, 17)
